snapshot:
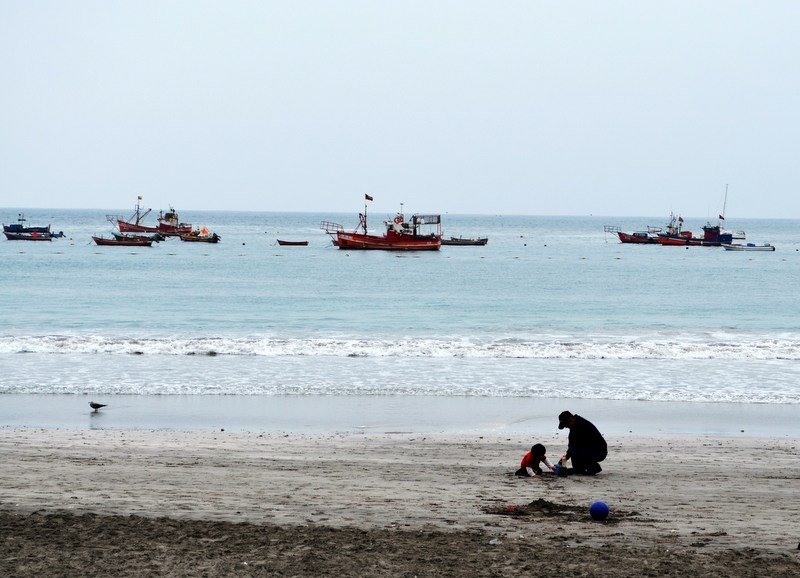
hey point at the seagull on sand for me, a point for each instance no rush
(96, 406)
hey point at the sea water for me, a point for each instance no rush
(551, 307)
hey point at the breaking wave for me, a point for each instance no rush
(682, 347)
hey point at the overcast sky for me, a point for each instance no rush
(626, 108)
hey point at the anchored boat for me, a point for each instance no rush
(168, 225)
(421, 233)
(123, 242)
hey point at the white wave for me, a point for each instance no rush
(683, 347)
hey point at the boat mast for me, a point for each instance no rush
(725, 202)
(364, 218)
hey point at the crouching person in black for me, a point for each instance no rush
(586, 448)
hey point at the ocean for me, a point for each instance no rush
(552, 308)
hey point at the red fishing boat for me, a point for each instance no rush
(713, 236)
(648, 237)
(168, 223)
(401, 235)
(134, 223)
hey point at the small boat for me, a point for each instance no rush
(747, 247)
(201, 236)
(401, 235)
(32, 236)
(125, 242)
(292, 243)
(463, 241)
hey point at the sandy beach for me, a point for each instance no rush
(157, 503)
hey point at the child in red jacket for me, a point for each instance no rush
(530, 462)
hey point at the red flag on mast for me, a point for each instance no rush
(367, 198)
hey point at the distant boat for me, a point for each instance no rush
(124, 242)
(33, 236)
(747, 247)
(155, 237)
(648, 237)
(201, 236)
(401, 235)
(638, 237)
(292, 243)
(463, 241)
(675, 236)
(134, 223)
(21, 227)
(168, 223)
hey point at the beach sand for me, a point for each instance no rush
(159, 503)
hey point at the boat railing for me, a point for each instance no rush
(330, 227)
(611, 229)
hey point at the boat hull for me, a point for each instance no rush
(463, 242)
(126, 227)
(639, 238)
(687, 241)
(388, 242)
(192, 238)
(738, 247)
(292, 243)
(712, 237)
(131, 242)
(34, 236)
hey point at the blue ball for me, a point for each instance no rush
(598, 511)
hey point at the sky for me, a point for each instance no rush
(613, 108)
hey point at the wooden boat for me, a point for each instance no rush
(747, 247)
(463, 241)
(32, 236)
(292, 243)
(201, 236)
(126, 242)
(401, 235)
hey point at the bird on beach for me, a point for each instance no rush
(96, 406)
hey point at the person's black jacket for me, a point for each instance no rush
(583, 434)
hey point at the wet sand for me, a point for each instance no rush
(161, 503)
